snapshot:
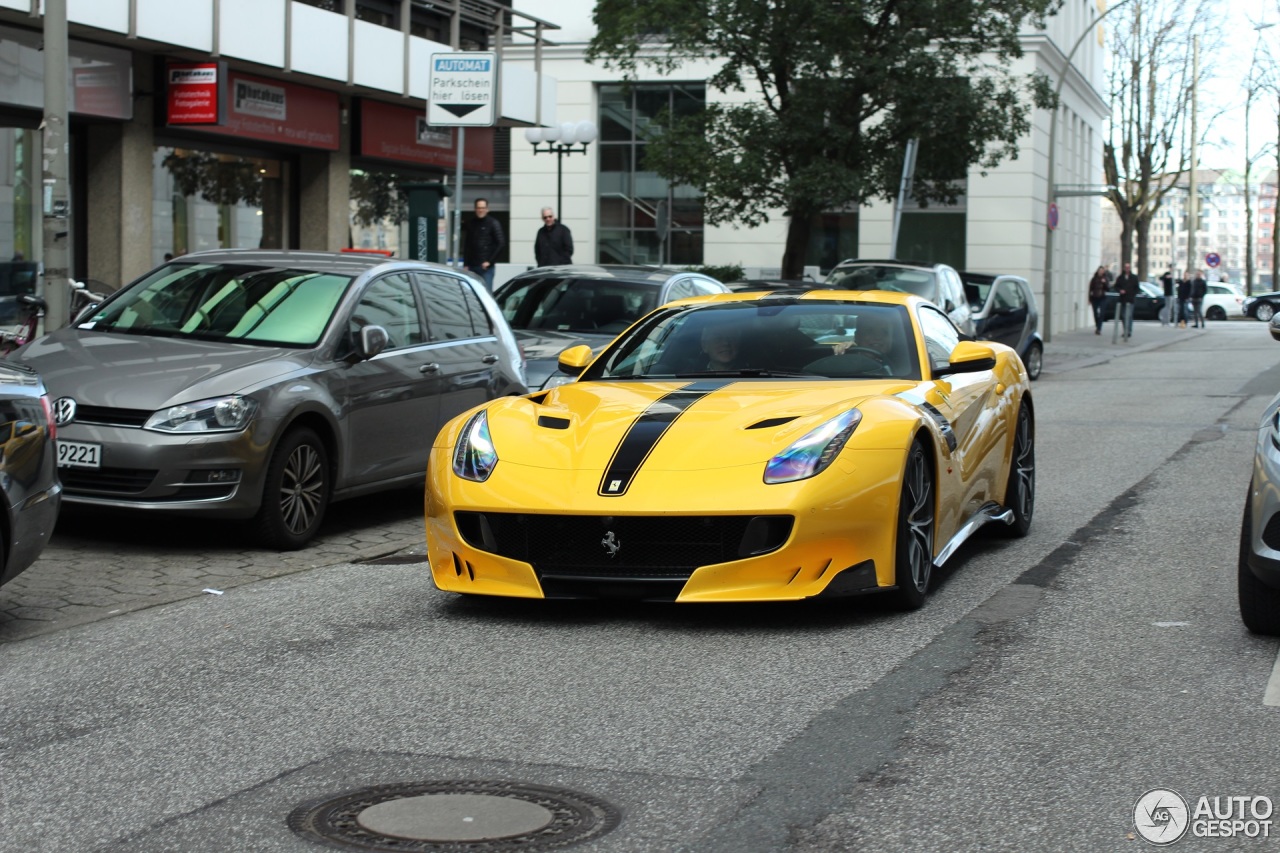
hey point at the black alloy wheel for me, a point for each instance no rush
(296, 492)
(913, 552)
(1020, 492)
(1259, 603)
(1215, 312)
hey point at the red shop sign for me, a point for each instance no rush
(194, 92)
(401, 134)
(276, 111)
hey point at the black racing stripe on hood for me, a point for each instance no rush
(647, 430)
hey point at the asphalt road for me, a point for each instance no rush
(1048, 683)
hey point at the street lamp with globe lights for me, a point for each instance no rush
(565, 138)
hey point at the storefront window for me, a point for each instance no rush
(634, 201)
(206, 200)
(19, 174)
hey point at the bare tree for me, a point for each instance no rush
(1145, 154)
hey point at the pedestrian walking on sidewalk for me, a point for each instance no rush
(1167, 315)
(1098, 297)
(1198, 289)
(1126, 293)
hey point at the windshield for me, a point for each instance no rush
(601, 306)
(878, 277)
(803, 339)
(232, 302)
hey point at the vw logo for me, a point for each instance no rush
(611, 544)
(64, 411)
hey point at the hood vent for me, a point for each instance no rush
(553, 423)
(772, 422)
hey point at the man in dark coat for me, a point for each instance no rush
(483, 243)
(1198, 289)
(554, 243)
(1184, 300)
(1167, 317)
(1126, 293)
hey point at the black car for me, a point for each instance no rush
(1146, 305)
(28, 468)
(554, 308)
(1004, 310)
(1262, 306)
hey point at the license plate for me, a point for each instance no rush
(79, 454)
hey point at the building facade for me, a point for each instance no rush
(305, 106)
(1000, 224)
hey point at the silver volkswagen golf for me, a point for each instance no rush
(263, 385)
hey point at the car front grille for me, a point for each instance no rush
(107, 416)
(623, 546)
(91, 482)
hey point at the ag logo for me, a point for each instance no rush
(1161, 816)
(611, 544)
(64, 411)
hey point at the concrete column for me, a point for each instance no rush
(120, 189)
(324, 194)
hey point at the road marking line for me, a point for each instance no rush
(1272, 695)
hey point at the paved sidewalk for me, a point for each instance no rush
(100, 565)
(1082, 348)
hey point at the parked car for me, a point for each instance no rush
(1263, 306)
(938, 283)
(1146, 305)
(800, 284)
(671, 470)
(263, 385)
(1004, 310)
(28, 470)
(1222, 301)
(1258, 566)
(554, 308)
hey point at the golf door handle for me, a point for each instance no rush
(490, 359)
(429, 368)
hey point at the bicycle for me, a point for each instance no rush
(33, 309)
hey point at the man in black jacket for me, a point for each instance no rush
(554, 244)
(483, 244)
(1126, 293)
(1198, 289)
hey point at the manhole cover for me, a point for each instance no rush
(397, 560)
(454, 816)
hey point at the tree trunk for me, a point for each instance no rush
(1143, 228)
(798, 229)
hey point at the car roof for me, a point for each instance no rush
(621, 272)
(866, 297)
(346, 263)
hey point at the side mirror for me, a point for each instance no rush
(371, 341)
(971, 357)
(574, 359)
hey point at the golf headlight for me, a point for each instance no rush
(474, 458)
(812, 453)
(220, 414)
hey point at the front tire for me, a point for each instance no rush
(913, 551)
(1265, 312)
(1034, 361)
(1259, 603)
(296, 492)
(1020, 493)
(1215, 312)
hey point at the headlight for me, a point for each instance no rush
(221, 414)
(474, 458)
(812, 453)
(557, 379)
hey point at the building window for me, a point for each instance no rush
(634, 201)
